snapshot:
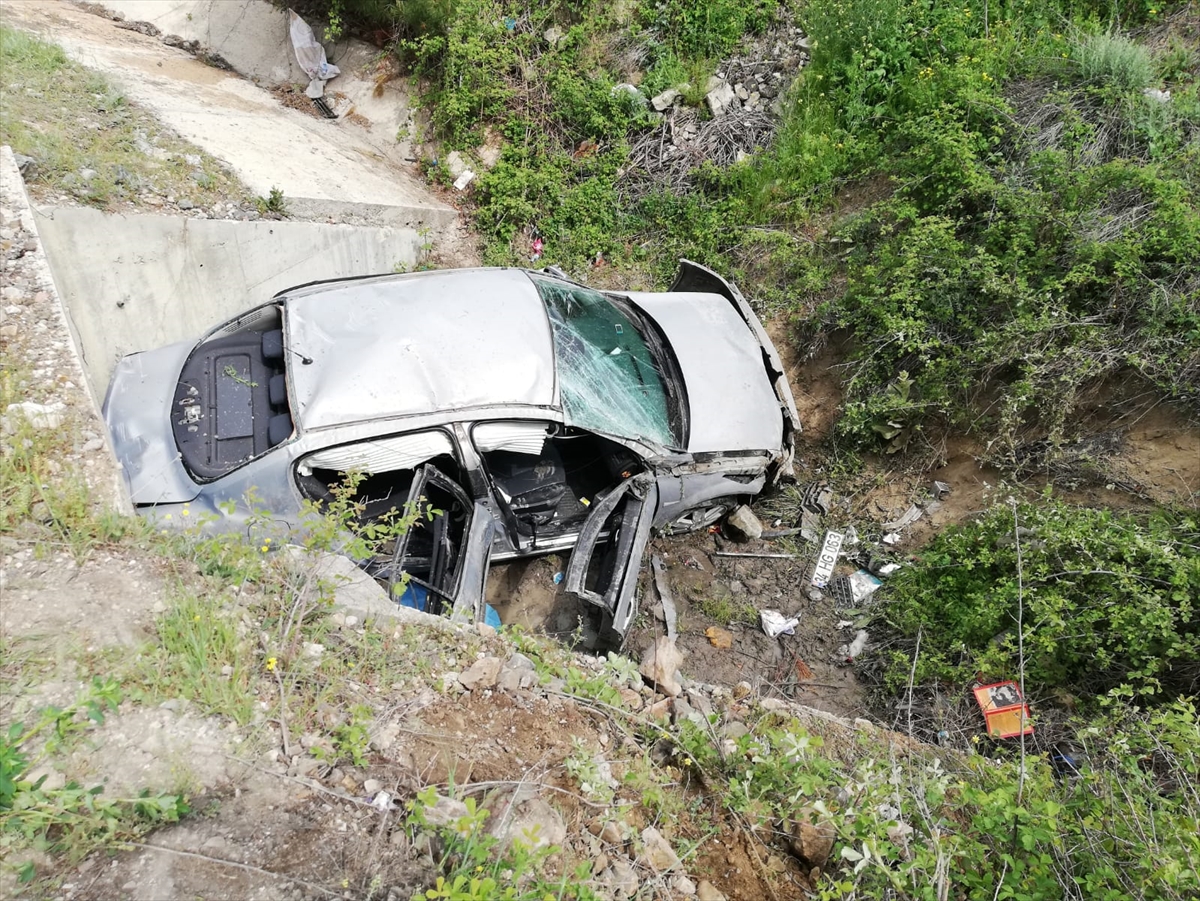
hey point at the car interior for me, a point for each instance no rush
(548, 492)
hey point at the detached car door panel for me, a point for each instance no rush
(605, 572)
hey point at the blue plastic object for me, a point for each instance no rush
(417, 596)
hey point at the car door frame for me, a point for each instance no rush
(635, 501)
(466, 595)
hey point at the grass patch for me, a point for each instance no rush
(88, 140)
(1113, 60)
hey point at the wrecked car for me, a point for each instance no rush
(525, 414)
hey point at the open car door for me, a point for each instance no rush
(607, 558)
(440, 563)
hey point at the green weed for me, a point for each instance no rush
(274, 202)
(70, 820)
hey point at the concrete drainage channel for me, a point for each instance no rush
(138, 282)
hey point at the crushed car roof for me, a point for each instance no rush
(412, 344)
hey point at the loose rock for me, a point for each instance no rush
(660, 666)
(481, 674)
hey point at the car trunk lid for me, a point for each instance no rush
(136, 411)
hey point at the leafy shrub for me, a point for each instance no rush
(1109, 599)
(707, 28)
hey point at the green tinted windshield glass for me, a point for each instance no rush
(609, 379)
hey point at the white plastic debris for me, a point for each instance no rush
(888, 569)
(856, 647)
(775, 623)
(460, 183)
(309, 52)
(891, 538)
(862, 585)
(911, 515)
(383, 801)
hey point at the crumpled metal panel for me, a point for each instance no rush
(409, 345)
(731, 403)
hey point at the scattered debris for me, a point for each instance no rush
(941, 490)
(460, 183)
(718, 637)
(1004, 710)
(761, 555)
(664, 594)
(911, 515)
(827, 559)
(854, 648)
(780, 533)
(810, 526)
(309, 52)
(854, 588)
(775, 623)
(891, 538)
(817, 499)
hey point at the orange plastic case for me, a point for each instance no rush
(1004, 710)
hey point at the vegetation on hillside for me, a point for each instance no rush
(994, 208)
(1030, 229)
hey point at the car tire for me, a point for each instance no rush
(700, 518)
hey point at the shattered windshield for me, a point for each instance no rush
(612, 369)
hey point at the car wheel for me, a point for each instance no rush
(701, 517)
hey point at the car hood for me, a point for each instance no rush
(732, 406)
(136, 411)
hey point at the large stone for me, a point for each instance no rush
(481, 674)
(660, 665)
(455, 164)
(621, 879)
(812, 842)
(720, 98)
(533, 823)
(706, 891)
(657, 853)
(445, 811)
(744, 523)
(665, 100)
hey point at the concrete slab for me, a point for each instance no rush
(137, 282)
(322, 167)
(252, 36)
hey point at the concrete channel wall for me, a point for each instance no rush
(136, 282)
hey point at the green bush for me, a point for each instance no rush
(707, 28)
(1114, 60)
(1108, 600)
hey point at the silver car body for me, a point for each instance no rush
(378, 366)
